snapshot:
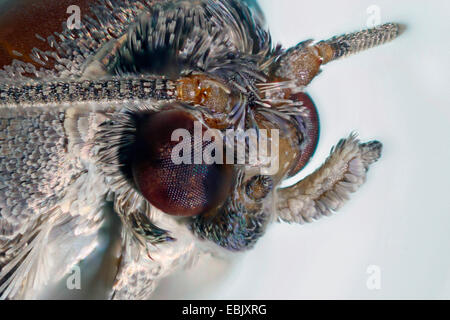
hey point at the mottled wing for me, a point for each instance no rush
(143, 265)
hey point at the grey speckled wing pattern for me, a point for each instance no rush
(31, 177)
(69, 137)
(47, 197)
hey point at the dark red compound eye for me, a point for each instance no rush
(184, 189)
(308, 126)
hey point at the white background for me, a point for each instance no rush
(400, 219)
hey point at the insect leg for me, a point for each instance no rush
(328, 188)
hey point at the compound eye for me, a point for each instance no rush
(307, 125)
(185, 189)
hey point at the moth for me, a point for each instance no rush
(94, 131)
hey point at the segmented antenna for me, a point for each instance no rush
(60, 91)
(347, 44)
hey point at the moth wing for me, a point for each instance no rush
(50, 202)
